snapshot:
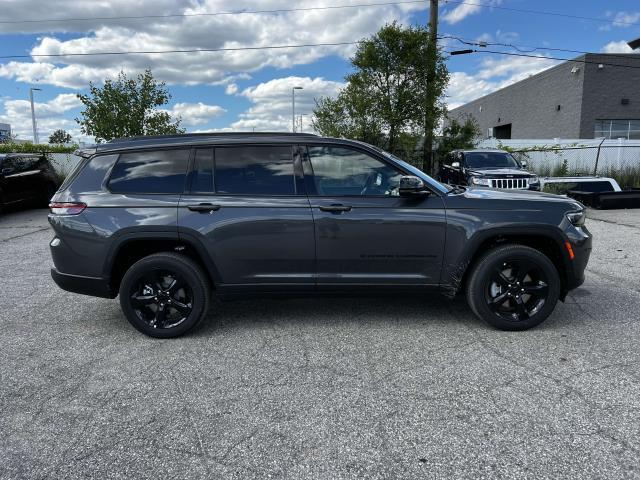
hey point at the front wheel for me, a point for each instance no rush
(164, 295)
(513, 287)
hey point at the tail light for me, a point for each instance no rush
(67, 208)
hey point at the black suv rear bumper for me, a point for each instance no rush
(96, 287)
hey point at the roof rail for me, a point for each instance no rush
(213, 134)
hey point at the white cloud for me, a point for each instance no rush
(50, 116)
(492, 75)
(464, 10)
(616, 47)
(185, 33)
(195, 113)
(621, 20)
(231, 89)
(271, 110)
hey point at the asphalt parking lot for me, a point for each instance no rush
(322, 388)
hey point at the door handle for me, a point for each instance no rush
(204, 208)
(336, 208)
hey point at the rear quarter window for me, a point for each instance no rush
(152, 171)
(89, 174)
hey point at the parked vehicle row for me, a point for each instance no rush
(166, 222)
(26, 178)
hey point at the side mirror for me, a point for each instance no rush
(455, 165)
(412, 185)
(523, 163)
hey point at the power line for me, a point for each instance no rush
(279, 47)
(305, 9)
(542, 12)
(212, 14)
(531, 49)
(572, 60)
(193, 50)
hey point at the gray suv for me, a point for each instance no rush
(166, 222)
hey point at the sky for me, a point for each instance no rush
(246, 90)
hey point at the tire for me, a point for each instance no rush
(513, 287)
(165, 295)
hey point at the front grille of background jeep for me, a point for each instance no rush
(513, 183)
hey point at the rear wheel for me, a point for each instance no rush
(513, 287)
(164, 295)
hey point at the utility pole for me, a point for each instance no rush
(33, 115)
(432, 55)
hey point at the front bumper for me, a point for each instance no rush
(95, 287)
(581, 246)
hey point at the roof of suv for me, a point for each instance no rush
(193, 139)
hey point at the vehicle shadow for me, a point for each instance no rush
(336, 310)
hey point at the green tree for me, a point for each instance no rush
(458, 135)
(127, 107)
(386, 97)
(59, 137)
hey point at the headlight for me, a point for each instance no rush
(480, 181)
(577, 218)
(534, 179)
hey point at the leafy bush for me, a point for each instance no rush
(35, 148)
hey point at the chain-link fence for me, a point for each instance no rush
(63, 163)
(619, 162)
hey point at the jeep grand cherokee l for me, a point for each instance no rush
(165, 222)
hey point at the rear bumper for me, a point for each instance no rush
(95, 287)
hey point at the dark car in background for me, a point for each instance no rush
(167, 222)
(26, 178)
(488, 169)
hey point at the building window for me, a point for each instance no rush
(612, 129)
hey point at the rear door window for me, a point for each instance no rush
(254, 170)
(158, 171)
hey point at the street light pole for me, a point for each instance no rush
(33, 115)
(293, 108)
(432, 54)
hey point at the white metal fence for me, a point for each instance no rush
(577, 156)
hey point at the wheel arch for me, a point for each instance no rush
(544, 238)
(131, 247)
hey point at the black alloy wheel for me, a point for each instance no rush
(513, 287)
(162, 299)
(165, 294)
(517, 290)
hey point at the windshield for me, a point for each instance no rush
(418, 173)
(490, 160)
